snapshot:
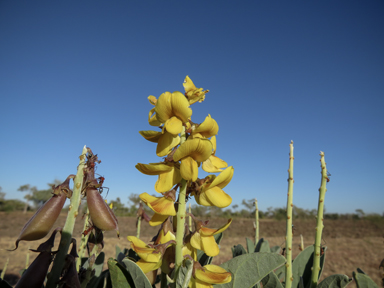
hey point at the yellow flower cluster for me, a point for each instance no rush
(185, 146)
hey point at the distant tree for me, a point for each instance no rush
(249, 204)
(38, 197)
(2, 194)
(360, 213)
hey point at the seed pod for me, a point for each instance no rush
(102, 216)
(42, 221)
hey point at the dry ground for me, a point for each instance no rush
(350, 244)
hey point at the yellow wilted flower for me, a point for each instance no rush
(192, 93)
(151, 257)
(211, 193)
(204, 277)
(162, 206)
(203, 239)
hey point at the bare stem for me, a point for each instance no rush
(319, 227)
(288, 238)
(256, 223)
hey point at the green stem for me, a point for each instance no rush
(66, 235)
(288, 238)
(83, 241)
(180, 216)
(5, 269)
(190, 217)
(256, 223)
(319, 227)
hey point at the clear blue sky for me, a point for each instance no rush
(75, 73)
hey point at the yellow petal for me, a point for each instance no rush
(174, 125)
(150, 135)
(172, 104)
(136, 242)
(205, 231)
(153, 169)
(189, 169)
(217, 197)
(195, 283)
(148, 266)
(201, 199)
(166, 143)
(157, 219)
(213, 141)
(196, 241)
(188, 85)
(167, 180)
(152, 99)
(214, 164)
(152, 118)
(160, 205)
(161, 239)
(208, 128)
(209, 246)
(213, 274)
(223, 178)
(198, 149)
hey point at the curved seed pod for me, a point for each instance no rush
(101, 215)
(42, 221)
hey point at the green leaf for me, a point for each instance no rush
(118, 251)
(250, 245)
(302, 266)
(119, 275)
(203, 258)
(137, 275)
(247, 270)
(238, 250)
(184, 275)
(276, 249)
(363, 281)
(271, 281)
(335, 281)
(262, 246)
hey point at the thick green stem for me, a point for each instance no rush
(288, 238)
(256, 223)
(190, 217)
(319, 227)
(66, 235)
(180, 215)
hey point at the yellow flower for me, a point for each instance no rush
(190, 152)
(162, 206)
(151, 258)
(208, 128)
(211, 193)
(173, 110)
(203, 239)
(169, 174)
(193, 94)
(165, 141)
(213, 164)
(165, 234)
(204, 277)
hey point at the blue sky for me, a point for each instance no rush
(75, 73)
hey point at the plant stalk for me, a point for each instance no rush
(256, 223)
(288, 237)
(66, 235)
(180, 216)
(319, 227)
